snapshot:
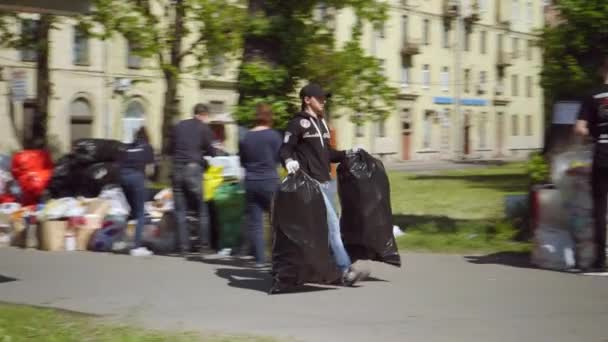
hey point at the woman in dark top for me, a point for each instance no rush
(139, 154)
(259, 153)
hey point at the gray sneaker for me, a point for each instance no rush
(352, 276)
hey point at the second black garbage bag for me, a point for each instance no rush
(367, 219)
(300, 251)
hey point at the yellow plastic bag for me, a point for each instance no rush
(212, 179)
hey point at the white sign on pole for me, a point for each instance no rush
(19, 85)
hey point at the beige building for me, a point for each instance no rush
(492, 67)
(100, 90)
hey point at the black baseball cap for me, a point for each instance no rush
(313, 90)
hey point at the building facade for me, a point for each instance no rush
(468, 80)
(100, 89)
(475, 94)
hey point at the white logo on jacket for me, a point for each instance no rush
(305, 123)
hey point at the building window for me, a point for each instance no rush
(380, 31)
(514, 85)
(499, 43)
(29, 30)
(218, 65)
(133, 60)
(529, 125)
(132, 120)
(483, 80)
(482, 130)
(445, 79)
(404, 33)
(382, 65)
(426, 32)
(81, 47)
(500, 85)
(428, 125)
(359, 128)
(426, 76)
(467, 39)
(515, 11)
(467, 80)
(529, 13)
(445, 36)
(483, 6)
(216, 108)
(515, 47)
(529, 86)
(514, 125)
(405, 75)
(81, 119)
(483, 42)
(529, 50)
(381, 128)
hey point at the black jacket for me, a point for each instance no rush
(307, 141)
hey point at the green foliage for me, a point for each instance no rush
(572, 49)
(538, 168)
(297, 45)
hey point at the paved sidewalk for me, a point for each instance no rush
(433, 298)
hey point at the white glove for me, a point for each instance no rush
(292, 166)
(355, 149)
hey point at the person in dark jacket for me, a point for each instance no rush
(192, 140)
(593, 121)
(138, 156)
(306, 147)
(259, 154)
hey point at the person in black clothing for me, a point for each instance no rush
(306, 147)
(138, 155)
(192, 139)
(593, 121)
(259, 154)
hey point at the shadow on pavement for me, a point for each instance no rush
(258, 280)
(513, 259)
(4, 279)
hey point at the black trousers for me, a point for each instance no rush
(599, 189)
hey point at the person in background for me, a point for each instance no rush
(593, 121)
(192, 140)
(138, 156)
(306, 146)
(259, 154)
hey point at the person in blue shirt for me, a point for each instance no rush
(138, 155)
(259, 154)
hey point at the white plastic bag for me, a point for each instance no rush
(553, 248)
(119, 206)
(9, 208)
(60, 208)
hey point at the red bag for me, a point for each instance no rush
(30, 160)
(5, 198)
(35, 182)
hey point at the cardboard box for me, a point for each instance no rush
(85, 230)
(98, 207)
(52, 235)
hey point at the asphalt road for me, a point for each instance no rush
(433, 298)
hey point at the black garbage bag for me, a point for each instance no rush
(93, 178)
(89, 151)
(62, 182)
(367, 219)
(161, 237)
(300, 252)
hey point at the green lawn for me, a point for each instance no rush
(458, 211)
(22, 323)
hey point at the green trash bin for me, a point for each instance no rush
(229, 201)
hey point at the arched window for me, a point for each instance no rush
(132, 120)
(81, 119)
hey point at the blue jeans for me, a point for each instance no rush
(259, 195)
(188, 193)
(133, 185)
(333, 223)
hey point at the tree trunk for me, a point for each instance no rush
(43, 83)
(171, 106)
